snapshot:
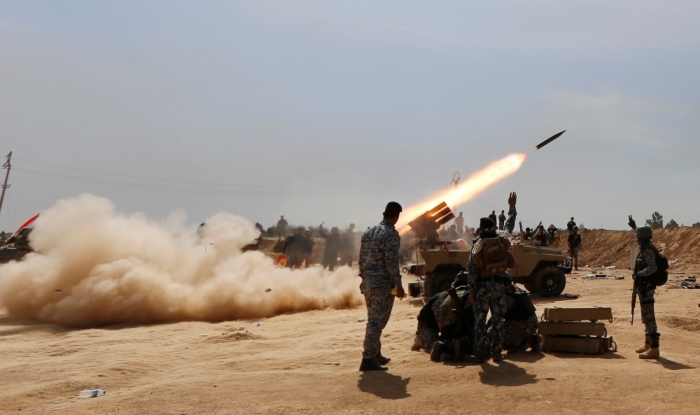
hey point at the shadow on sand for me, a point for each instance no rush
(507, 374)
(671, 365)
(384, 385)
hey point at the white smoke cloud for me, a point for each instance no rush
(95, 266)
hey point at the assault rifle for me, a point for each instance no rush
(634, 298)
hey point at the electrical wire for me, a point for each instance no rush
(215, 184)
(267, 193)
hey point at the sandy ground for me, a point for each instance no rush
(277, 368)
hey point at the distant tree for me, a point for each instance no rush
(656, 221)
(672, 224)
(696, 225)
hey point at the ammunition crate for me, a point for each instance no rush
(572, 328)
(578, 344)
(578, 314)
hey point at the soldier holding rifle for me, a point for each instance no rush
(644, 270)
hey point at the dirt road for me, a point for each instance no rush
(277, 368)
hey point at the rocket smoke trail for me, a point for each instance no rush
(473, 186)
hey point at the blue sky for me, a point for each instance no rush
(324, 111)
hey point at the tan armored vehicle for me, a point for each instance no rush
(15, 248)
(541, 270)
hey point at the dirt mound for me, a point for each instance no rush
(683, 323)
(605, 247)
(229, 337)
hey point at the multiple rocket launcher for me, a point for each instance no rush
(431, 220)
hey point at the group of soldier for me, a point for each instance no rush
(454, 323)
(299, 246)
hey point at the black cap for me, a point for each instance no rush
(486, 223)
(392, 209)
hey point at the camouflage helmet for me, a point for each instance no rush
(644, 232)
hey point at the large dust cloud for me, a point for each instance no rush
(95, 266)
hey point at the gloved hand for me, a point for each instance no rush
(632, 223)
(512, 199)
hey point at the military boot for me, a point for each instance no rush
(382, 360)
(652, 353)
(643, 349)
(437, 351)
(536, 343)
(371, 364)
(498, 358)
(417, 344)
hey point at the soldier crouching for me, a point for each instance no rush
(520, 322)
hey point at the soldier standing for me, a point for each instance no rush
(308, 248)
(493, 217)
(459, 221)
(294, 248)
(502, 220)
(491, 256)
(330, 253)
(571, 225)
(644, 268)
(281, 228)
(379, 270)
(347, 246)
(574, 242)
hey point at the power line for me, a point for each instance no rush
(215, 184)
(269, 193)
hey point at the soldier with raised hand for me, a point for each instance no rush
(645, 267)
(380, 273)
(491, 256)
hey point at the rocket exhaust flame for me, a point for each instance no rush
(469, 189)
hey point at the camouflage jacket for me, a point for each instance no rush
(472, 271)
(646, 262)
(379, 255)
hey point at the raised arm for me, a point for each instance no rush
(512, 213)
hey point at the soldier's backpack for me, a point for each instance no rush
(660, 277)
(492, 256)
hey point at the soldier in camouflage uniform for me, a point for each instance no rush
(644, 268)
(380, 273)
(520, 321)
(487, 293)
(428, 330)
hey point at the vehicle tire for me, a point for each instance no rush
(549, 282)
(438, 282)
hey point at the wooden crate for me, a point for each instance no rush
(578, 314)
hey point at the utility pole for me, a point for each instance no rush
(5, 186)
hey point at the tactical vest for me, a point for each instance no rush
(492, 256)
(660, 277)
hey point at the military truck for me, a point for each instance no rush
(16, 247)
(540, 269)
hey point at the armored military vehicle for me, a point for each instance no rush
(16, 247)
(540, 269)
